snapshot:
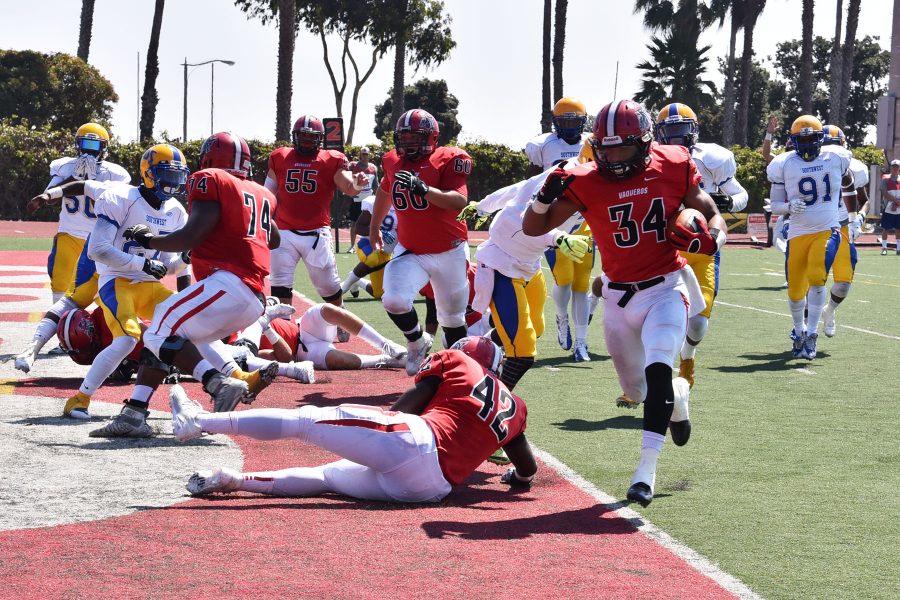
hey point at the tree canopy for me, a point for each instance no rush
(429, 94)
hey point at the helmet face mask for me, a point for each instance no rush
(620, 124)
(308, 135)
(807, 136)
(677, 125)
(569, 119)
(416, 134)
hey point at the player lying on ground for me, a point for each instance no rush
(433, 437)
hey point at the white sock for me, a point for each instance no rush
(369, 361)
(142, 393)
(651, 447)
(107, 362)
(884, 244)
(258, 423)
(561, 296)
(816, 300)
(696, 331)
(373, 337)
(348, 282)
(255, 363)
(595, 302)
(581, 312)
(57, 296)
(218, 354)
(200, 368)
(798, 307)
(45, 330)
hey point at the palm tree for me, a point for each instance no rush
(834, 104)
(847, 60)
(805, 84)
(752, 10)
(545, 72)
(287, 32)
(559, 42)
(397, 97)
(736, 10)
(675, 73)
(84, 33)
(150, 98)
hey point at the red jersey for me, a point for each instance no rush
(423, 228)
(472, 316)
(288, 329)
(628, 217)
(305, 187)
(239, 243)
(471, 414)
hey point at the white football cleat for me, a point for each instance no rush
(393, 350)
(680, 422)
(302, 371)
(830, 325)
(563, 333)
(222, 479)
(131, 422)
(184, 415)
(25, 360)
(581, 352)
(416, 352)
(226, 392)
(389, 362)
(279, 311)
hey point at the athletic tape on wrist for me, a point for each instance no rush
(539, 207)
(54, 193)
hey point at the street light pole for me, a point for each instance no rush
(212, 90)
(212, 95)
(184, 122)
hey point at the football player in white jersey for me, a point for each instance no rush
(571, 280)
(371, 261)
(509, 277)
(807, 183)
(677, 124)
(851, 222)
(129, 286)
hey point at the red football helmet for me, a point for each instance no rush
(416, 134)
(228, 152)
(482, 350)
(308, 134)
(77, 336)
(621, 124)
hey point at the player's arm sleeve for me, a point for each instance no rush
(498, 199)
(533, 152)
(118, 173)
(739, 195)
(101, 247)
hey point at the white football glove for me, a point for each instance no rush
(854, 227)
(85, 167)
(797, 205)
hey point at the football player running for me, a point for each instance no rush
(76, 220)
(851, 222)
(426, 184)
(627, 196)
(371, 261)
(677, 124)
(807, 183)
(229, 232)
(304, 178)
(571, 279)
(433, 437)
(129, 286)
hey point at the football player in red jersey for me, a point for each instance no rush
(433, 437)
(304, 178)
(82, 335)
(427, 186)
(229, 231)
(627, 196)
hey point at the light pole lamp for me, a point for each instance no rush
(211, 91)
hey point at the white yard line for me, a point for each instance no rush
(778, 314)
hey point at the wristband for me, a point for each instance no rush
(540, 207)
(54, 193)
(847, 194)
(271, 335)
(720, 237)
(768, 137)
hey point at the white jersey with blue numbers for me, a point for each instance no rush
(124, 207)
(718, 171)
(817, 182)
(76, 215)
(548, 149)
(388, 224)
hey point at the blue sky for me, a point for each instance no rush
(494, 70)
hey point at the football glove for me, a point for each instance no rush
(574, 246)
(140, 234)
(555, 184)
(796, 206)
(186, 257)
(701, 242)
(468, 212)
(854, 227)
(154, 268)
(85, 167)
(513, 480)
(723, 201)
(411, 182)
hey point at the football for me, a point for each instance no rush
(688, 218)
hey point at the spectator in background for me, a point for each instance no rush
(362, 165)
(890, 212)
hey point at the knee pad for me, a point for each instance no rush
(840, 289)
(396, 304)
(148, 359)
(249, 345)
(171, 346)
(333, 296)
(696, 329)
(280, 291)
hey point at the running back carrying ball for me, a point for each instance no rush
(688, 231)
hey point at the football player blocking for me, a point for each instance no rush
(435, 435)
(627, 196)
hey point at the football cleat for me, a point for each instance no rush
(58, 351)
(393, 349)
(416, 352)
(680, 422)
(25, 360)
(258, 380)
(581, 352)
(624, 401)
(828, 320)
(686, 370)
(131, 422)
(226, 392)
(343, 336)
(641, 493)
(563, 334)
(499, 457)
(77, 407)
(884, 251)
(797, 347)
(809, 346)
(279, 311)
(301, 371)
(219, 480)
(184, 415)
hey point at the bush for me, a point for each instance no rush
(493, 166)
(751, 173)
(25, 156)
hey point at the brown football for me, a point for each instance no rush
(689, 218)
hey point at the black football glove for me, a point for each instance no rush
(154, 268)
(723, 201)
(186, 257)
(140, 234)
(555, 184)
(512, 478)
(411, 182)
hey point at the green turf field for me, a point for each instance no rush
(789, 481)
(25, 243)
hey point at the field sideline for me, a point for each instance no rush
(783, 452)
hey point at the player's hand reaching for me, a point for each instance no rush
(360, 181)
(411, 182)
(140, 234)
(468, 212)
(574, 246)
(514, 480)
(375, 239)
(186, 257)
(154, 268)
(723, 201)
(796, 206)
(699, 242)
(36, 203)
(555, 184)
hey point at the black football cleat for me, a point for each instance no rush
(641, 493)
(681, 432)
